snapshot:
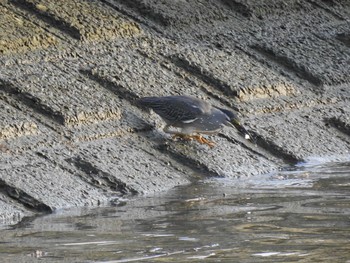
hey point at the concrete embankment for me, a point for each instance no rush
(71, 133)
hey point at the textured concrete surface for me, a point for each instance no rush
(71, 133)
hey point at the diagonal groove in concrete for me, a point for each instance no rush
(31, 101)
(24, 198)
(288, 64)
(100, 178)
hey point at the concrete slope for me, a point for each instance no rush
(72, 134)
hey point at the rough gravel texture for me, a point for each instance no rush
(72, 134)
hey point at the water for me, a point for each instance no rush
(298, 215)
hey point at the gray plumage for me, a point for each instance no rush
(191, 115)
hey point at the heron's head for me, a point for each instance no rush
(233, 121)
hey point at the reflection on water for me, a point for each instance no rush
(298, 215)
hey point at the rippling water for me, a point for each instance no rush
(297, 215)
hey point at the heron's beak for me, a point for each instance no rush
(235, 123)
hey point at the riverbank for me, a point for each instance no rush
(71, 133)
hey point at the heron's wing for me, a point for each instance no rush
(176, 108)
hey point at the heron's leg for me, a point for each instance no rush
(198, 138)
(182, 136)
(166, 129)
(202, 140)
(176, 134)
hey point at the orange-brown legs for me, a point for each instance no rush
(198, 138)
(182, 136)
(202, 140)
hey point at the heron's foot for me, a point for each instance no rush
(182, 136)
(202, 140)
(198, 138)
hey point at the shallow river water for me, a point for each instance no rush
(301, 214)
